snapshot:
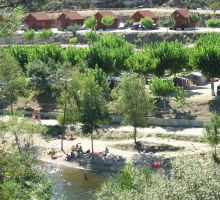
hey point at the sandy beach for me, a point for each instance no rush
(118, 156)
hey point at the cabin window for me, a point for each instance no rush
(184, 22)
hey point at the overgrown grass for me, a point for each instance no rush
(190, 138)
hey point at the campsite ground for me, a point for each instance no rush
(157, 143)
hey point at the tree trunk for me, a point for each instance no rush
(92, 142)
(63, 128)
(212, 87)
(135, 133)
(164, 103)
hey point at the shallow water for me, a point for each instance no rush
(71, 182)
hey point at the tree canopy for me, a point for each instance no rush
(133, 101)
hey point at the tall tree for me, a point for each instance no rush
(162, 88)
(212, 134)
(141, 62)
(194, 17)
(15, 82)
(110, 53)
(172, 57)
(133, 101)
(206, 53)
(89, 106)
(107, 20)
(64, 80)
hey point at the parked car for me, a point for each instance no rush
(154, 26)
(122, 26)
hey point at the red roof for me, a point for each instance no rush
(39, 16)
(107, 13)
(71, 15)
(184, 12)
(146, 13)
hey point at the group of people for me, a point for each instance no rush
(76, 152)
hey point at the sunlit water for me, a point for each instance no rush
(71, 182)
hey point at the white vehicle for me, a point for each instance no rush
(122, 26)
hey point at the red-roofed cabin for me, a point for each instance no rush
(182, 19)
(101, 14)
(69, 18)
(137, 16)
(37, 21)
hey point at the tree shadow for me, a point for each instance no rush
(112, 163)
(214, 105)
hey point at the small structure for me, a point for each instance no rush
(38, 20)
(182, 19)
(113, 81)
(101, 14)
(69, 18)
(142, 14)
(181, 82)
(198, 78)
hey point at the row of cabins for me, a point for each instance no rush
(41, 20)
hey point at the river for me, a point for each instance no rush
(71, 182)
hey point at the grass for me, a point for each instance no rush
(190, 138)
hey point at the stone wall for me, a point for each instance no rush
(145, 36)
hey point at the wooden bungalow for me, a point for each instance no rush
(38, 20)
(137, 16)
(69, 18)
(101, 14)
(182, 19)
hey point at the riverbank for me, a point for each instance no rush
(121, 151)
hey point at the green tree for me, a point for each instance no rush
(194, 17)
(133, 101)
(64, 80)
(213, 23)
(89, 106)
(147, 22)
(172, 56)
(10, 20)
(38, 72)
(73, 28)
(141, 62)
(162, 88)
(203, 56)
(186, 172)
(15, 82)
(91, 22)
(73, 40)
(212, 134)
(29, 35)
(107, 20)
(214, 6)
(129, 22)
(138, 41)
(92, 36)
(168, 22)
(45, 34)
(110, 53)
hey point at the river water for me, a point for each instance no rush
(71, 182)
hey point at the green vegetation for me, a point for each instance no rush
(212, 134)
(185, 173)
(107, 20)
(133, 101)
